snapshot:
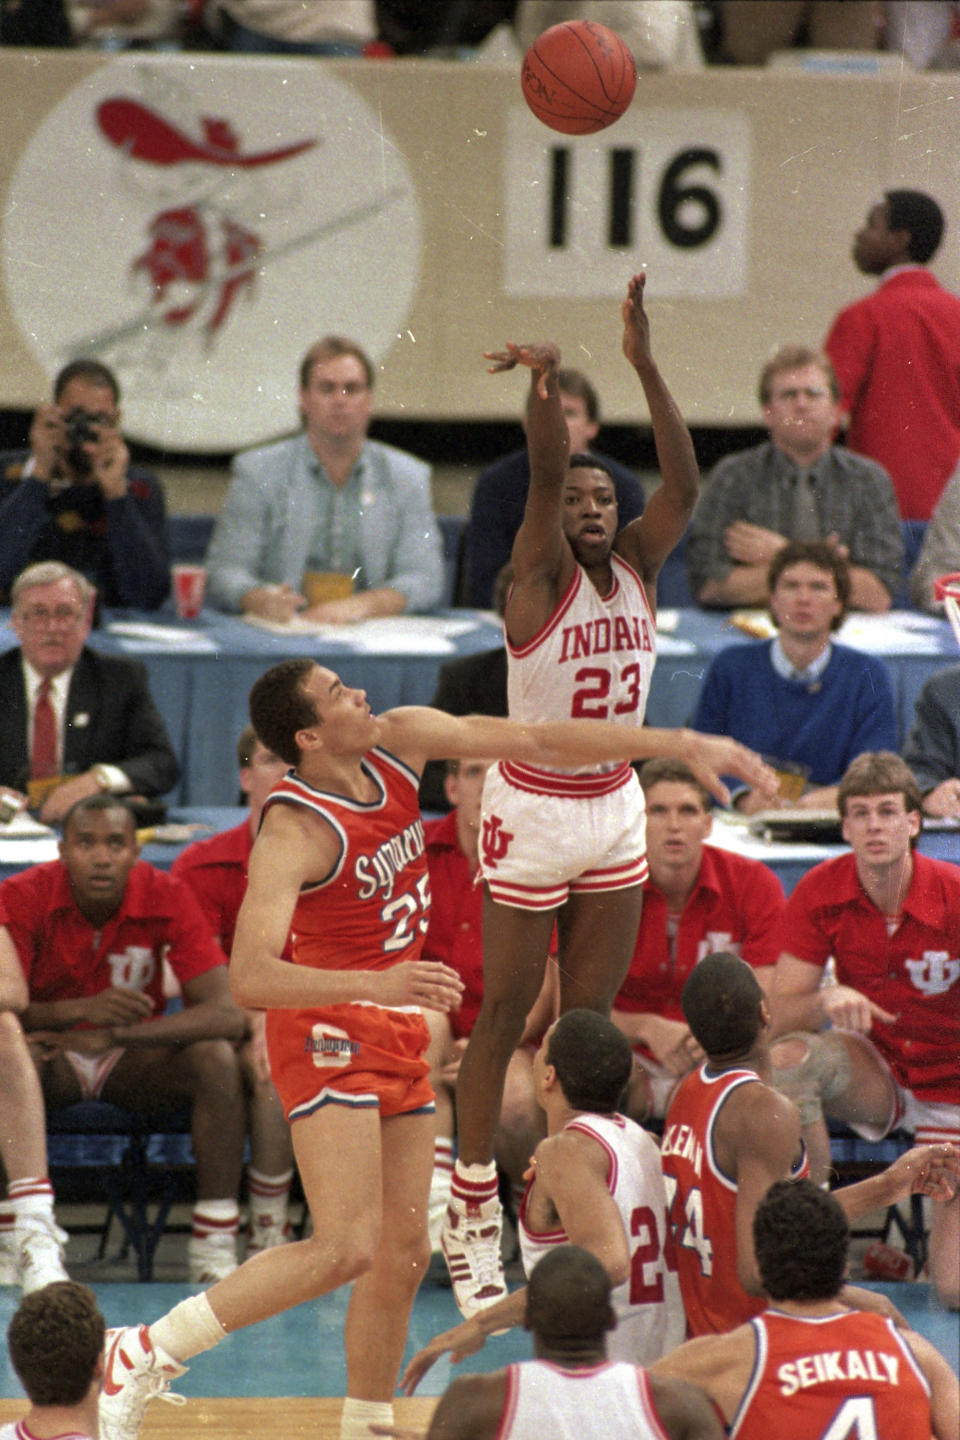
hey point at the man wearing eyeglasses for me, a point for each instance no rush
(72, 720)
(328, 523)
(75, 497)
(798, 485)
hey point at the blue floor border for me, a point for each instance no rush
(301, 1351)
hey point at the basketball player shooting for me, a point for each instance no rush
(340, 858)
(565, 846)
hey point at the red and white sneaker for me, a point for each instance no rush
(134, 1374)
(471, 1247)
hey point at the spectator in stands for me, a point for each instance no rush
(55, 1342)
(74, 496)
(83, 941)
(72, 720)
(752, 30)
(421, 27)
(698, 898)
(501, 490)
(890, 918)
(469, 685)
(801, 699)
(328, 500)
(454, 936)
(940, 552)
(897, 353)
(119, 23)
(932, 748)
(797, 485)
(216, 872)
(924, 32)
(41, 22)
(661, 34)
(289, 27)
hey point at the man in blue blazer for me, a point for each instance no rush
(329, 500)
(105, 731)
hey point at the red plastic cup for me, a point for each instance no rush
(886, 1262)
(189, 585)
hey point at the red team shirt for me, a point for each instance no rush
(846, 1377)
(454, 927)
(915, 973)
(703, 1203)
(216, 872)
(736, 906)
(65, 958)
(370, 913)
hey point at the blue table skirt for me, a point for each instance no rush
(202, 692)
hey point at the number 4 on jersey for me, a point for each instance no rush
(692, 1237)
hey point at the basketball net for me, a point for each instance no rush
(947, 589)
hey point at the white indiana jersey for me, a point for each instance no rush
(649, 1311)
(597, 1402)
(19, 1431)
(594, 658)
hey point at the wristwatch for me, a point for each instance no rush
(101, 774)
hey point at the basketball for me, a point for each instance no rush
(578, 77)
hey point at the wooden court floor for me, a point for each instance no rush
(251, 1418)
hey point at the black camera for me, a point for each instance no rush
(81, 428)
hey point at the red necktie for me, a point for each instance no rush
(43, 751)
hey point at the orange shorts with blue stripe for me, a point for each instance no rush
(363, 1056)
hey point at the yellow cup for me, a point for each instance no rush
(322, 585)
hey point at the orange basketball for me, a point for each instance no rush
(578, 77)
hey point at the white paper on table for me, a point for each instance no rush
(667, 621)
(140, 635)
(28, 852)
(24, 827)
(389, 635)
(298, 626)
(729, 833)
(670, 645)
(898, 632)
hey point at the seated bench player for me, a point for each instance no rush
(698, 898)
(878, 1049)
(82, 945)
(454, 936)
(216, 872)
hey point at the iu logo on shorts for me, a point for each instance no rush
(494, 842)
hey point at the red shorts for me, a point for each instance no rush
(358, 1055)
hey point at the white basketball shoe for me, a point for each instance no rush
(471, 1247)
(38, 1244)
(135, 1373)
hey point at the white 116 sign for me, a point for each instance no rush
(669, 189)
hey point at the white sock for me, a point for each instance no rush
(359, 1415)
(269, 1197)
(30, 1196)
(473, 1185)
(216, 1218)
(188, 1329)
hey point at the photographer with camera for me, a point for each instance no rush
(75, 497)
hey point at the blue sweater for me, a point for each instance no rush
(851, 710)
